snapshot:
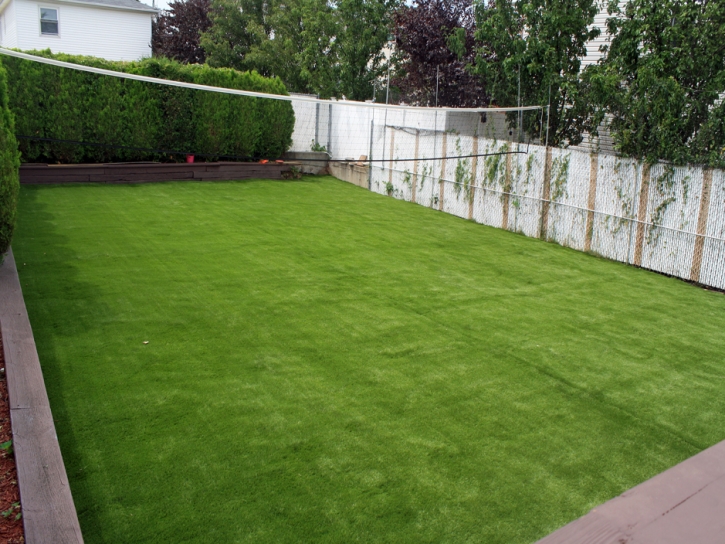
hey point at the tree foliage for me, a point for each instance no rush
(9, 164)
(130, 120)
(177, 32)
(663, 79)
(314, 46)
(434, 40)
(538, 43)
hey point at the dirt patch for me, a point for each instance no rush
(11, 519)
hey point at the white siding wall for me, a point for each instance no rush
(86, 30)
(600, 21)
(9, 28)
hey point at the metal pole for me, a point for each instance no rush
(329, 131)
(387, 90)
(438, 69)
(548, 117)
(520, 119)
(317, 123)
(370, 156)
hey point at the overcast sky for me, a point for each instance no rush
(161, 4)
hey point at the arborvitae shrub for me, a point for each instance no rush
(9, 164)
(64, 104)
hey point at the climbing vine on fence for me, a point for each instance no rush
(560, 176)
(463, 173)
(494, 167)
(666, 187)
(425, 173)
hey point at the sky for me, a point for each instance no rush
(161, 4)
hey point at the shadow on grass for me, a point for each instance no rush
(46, 328)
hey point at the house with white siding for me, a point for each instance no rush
(110, 29)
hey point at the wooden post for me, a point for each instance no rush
(415, 166)
(592, 200)
(474, 169)
(641, 215)
(392, 151)
(506, 193)
(545, 196)
(441, 183)
(701, 224)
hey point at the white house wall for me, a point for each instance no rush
(600, 21)
(86, 30)
(9, 27)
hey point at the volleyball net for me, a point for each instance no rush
(82, 113)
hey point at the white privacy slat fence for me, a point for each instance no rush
(667, 219)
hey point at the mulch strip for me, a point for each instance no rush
(11, 521)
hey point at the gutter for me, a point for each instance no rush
(144, 9)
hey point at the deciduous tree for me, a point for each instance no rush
(333, 48)
(538, 43)
(434, 42)
(177, 31)
(663, 79)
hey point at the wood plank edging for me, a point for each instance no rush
(149, 172)
(49, 514)
(681, 504)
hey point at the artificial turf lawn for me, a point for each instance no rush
(326, 364)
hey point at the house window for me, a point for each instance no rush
(49, 21)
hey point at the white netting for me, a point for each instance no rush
(467, 162)
(466, 165)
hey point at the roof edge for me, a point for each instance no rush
(143, 8)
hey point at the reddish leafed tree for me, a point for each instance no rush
(177, 31)
(437, 36)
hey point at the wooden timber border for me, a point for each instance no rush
(49, 515)
(143, 172)
(681, 505)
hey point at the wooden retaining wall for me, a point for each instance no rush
(141, 172)
(49, 515)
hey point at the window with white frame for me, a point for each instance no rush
(49, 21)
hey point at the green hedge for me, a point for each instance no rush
(64, 104)
(9, 164)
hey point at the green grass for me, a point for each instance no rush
(328, 365)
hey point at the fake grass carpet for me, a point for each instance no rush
(325, 364)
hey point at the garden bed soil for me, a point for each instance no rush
(11, 522)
